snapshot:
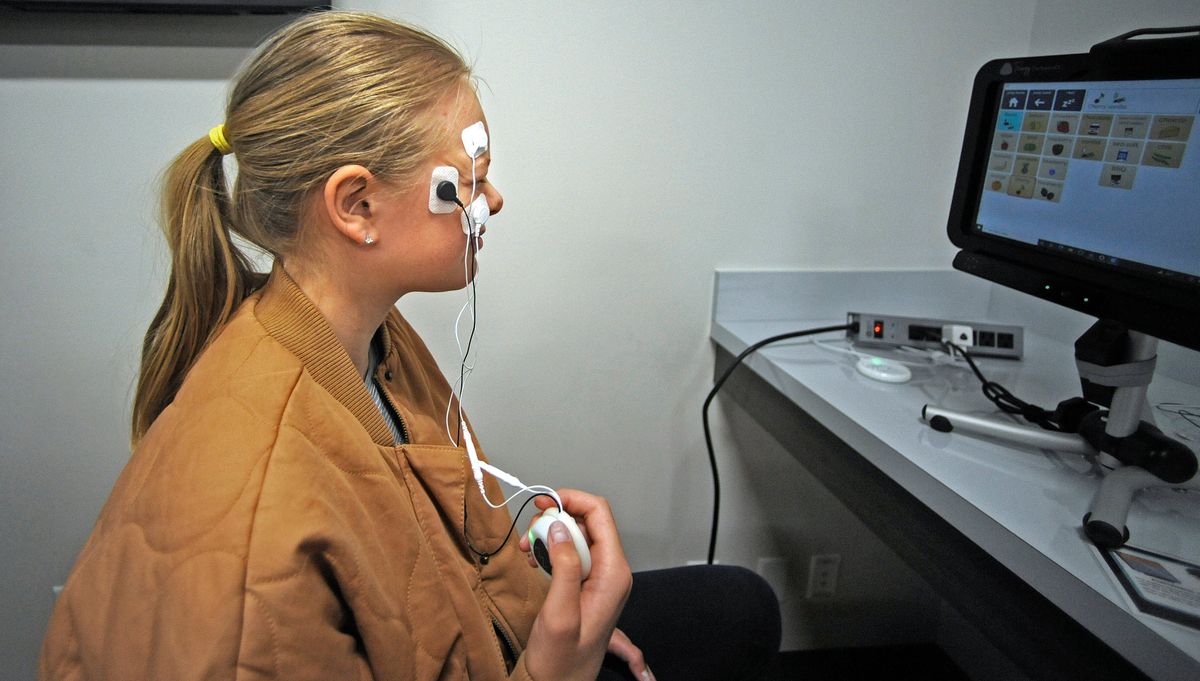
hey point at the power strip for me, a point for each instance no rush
(889, 330)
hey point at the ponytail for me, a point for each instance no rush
(210, 276)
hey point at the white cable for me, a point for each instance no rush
(466, 366)
(459, 387)
(478, 468)
(930, 356)
(831, 348)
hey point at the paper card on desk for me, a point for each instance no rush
(1157, 585)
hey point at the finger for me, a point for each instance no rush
(596, 516)
(545, 503)
(562, 607)
(622, 647)
(638, 668)
(524, 538)
(610, 578)
(527, 549)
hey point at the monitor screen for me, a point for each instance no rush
(1105, 171)
(1079, 182)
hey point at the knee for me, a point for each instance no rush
(761, 607)
(742, 603)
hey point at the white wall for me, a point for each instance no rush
(642, 145)
(1064, 26)
(639, 146)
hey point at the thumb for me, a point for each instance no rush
(564, 559)
(565, 571)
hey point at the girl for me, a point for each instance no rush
(299, 504)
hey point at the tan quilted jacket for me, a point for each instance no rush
(267, 528)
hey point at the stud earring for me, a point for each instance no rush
(368, 239)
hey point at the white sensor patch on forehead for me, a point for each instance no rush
(475, 139)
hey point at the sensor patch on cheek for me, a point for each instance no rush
(441, 174)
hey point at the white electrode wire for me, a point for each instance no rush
(478, 468)
(468, 363)
(465, 367)
(458, 387)
(532, 489)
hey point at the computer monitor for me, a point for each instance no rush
(1079, 182)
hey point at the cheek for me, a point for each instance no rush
(430, 243)
(443, 240)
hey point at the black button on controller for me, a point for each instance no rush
(541, 555)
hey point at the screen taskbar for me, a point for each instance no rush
(1102, 259)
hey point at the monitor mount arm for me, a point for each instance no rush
(1115, 368)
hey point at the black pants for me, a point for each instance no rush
(698, 623)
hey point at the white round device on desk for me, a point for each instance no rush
(880, 369)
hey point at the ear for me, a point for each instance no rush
(346, 200)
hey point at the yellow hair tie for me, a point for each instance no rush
(217, 137)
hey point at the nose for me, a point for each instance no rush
(494, 198)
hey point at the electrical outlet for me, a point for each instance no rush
(890, 331)
(822, 575)
(774, 572)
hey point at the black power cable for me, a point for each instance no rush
(1005, 400)
(712, 458)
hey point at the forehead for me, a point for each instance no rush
(459, 110)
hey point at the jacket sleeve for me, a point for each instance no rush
(338, 583)
(304, 577)
(297, 626)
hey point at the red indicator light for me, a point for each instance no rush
(878, 329)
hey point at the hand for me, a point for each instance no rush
(544, 504)
(577, 620)
(622, 647)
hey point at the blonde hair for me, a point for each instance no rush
(330, 89)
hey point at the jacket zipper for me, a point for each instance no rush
(387, 394)
(508, 650)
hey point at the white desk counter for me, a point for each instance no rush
(1022, 507)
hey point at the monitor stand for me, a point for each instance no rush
(1115, 368)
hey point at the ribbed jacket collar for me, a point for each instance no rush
(293, 320)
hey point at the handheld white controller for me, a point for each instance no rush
(539, 540)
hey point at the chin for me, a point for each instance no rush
(453, 283)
